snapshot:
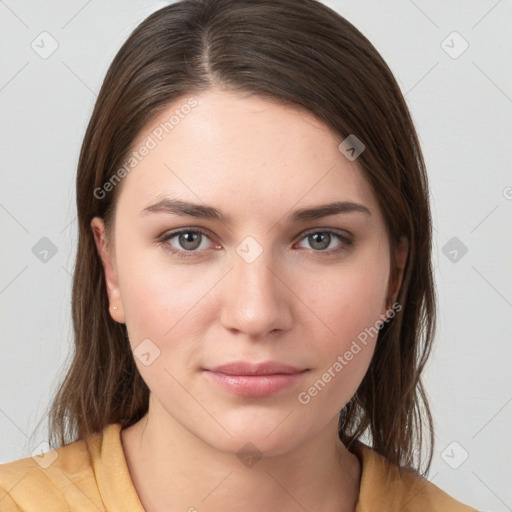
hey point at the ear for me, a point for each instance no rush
(397, 273)
(106, 255)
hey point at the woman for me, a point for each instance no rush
(253, 289)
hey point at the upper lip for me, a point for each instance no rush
(248, 368)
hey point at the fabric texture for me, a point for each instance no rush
(91, 475)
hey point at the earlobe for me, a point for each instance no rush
(109, 268)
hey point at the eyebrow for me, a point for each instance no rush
(185, 208)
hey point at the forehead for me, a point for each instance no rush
(248, 150)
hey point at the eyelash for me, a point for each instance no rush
(346, 242)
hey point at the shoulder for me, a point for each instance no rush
(62, 477)
(385, 487)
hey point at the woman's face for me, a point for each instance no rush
(260, 274)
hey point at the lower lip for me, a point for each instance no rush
(255, 386)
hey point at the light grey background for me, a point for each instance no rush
(462, 107)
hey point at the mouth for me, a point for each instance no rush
(255, 380)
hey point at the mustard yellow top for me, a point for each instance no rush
(91, 475)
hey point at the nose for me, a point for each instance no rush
(257, 300)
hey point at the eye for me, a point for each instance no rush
(320, 240)
(185, 242)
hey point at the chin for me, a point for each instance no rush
(256, 444)
(267, 435)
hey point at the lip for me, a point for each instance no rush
(255, 380)
(248, 368)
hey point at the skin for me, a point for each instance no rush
(256, 161)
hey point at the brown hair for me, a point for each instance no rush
(299, 53)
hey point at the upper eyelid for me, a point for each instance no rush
(336, 231)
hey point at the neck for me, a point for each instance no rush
(173, 470)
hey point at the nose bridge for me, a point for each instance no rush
(257, 302)
(254, 275)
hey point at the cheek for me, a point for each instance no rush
(166, 305)
(159, 299)
(165, 301)
(349, 304)
(351, 297)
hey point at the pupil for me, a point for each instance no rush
(321, 238)
(189, 240)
